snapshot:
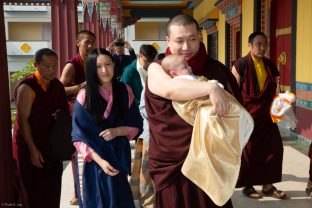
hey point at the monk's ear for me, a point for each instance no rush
(167, 39)
(249, 45)
(77, 43)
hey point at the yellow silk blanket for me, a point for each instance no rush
(214, 158)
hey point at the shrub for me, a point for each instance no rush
(28, 69)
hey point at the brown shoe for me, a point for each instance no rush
(273, 192)
(251, 192)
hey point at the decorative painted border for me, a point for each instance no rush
(233, 29)
(304, 95)
(283, 31)
(265, 19)
(211, 30)
(230, 8)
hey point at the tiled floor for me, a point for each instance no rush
(295, 176)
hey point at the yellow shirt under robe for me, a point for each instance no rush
(260, 71)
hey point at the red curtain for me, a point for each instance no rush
(64, 30)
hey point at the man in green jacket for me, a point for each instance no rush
(135, 74)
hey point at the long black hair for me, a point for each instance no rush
(95, 103)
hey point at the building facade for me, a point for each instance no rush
(287, 23)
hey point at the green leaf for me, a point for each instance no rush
(28, 69)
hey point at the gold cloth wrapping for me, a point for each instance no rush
(214, 158)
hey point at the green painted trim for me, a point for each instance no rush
(304, 103)
(304, 86)
(289, 135)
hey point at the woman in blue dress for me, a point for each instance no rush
(105, 118)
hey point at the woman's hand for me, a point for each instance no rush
(107, 168)
(109, 134)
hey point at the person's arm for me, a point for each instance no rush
(128, 46)
(132, 55)
(24, 104)
(236, 75)
(163, 85)
(66, 78)
(110, 47)
(106, 167)
(142, 105)
(131, 51)
(109, 134)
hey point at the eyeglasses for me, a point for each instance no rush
(260, 44)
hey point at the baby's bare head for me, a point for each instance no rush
(175, 65)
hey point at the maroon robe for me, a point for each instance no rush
(39, 187)
(79, 72)
(263, 155)
(310, 156)
(79, 75)
(171, 137)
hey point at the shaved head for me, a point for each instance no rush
(181, 20)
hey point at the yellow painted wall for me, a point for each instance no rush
(247, 23)
(205, 10)
(221, 38)
(23, 31)
(204, 37)
(304, 41)
(146, 31)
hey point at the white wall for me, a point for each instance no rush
(17, 59)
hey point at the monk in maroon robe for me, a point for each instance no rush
(74, 73)
(74, 78)
(38, 97)
(170, 134)
(263, 155)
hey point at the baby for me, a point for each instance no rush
(176, 67)
(217, 142)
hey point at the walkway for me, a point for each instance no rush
(295, 176)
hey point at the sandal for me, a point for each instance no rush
(309, 192)
(74, 201)
(251, 192)
(273, 192)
